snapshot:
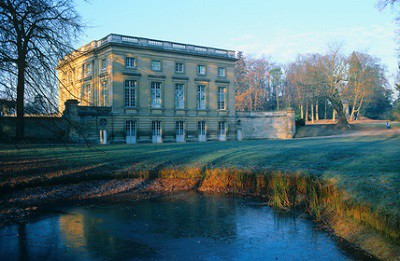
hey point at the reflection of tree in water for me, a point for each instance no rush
(72, 229)
(137, 229)
(86, 231)
(199, 216)
(22, 242)
(108, 245)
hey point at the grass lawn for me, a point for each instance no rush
(366, 167)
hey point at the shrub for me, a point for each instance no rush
(300, 121)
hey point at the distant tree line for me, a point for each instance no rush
(395, 5)
(316, 85)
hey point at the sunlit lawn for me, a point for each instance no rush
(366, 167)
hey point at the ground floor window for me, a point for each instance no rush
(201, 130)
(222, 130)
(179, 128)
(103, 137)
(156, 128)
(201, 127)
(156, 131)
(130, 127)
(180, 132)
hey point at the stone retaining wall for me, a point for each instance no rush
(266, 125)
(80, 123)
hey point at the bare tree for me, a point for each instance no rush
(253, 84)
(276, 82)
(382, 4)
(34, 35)
(295, 77)
(333, 66)
(365, 74)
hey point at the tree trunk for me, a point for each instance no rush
(334, 116)
(277, 97)
(358, 110)
(312, 112)
(353, 110)
(301, 111)
(306, 111)
(316, 111)
(20, 128)
(338, 106)
(326, 110)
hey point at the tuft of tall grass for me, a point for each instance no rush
(322, 199)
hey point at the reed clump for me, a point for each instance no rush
(286, 190)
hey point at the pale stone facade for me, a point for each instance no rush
(157, 91)
(134, 90)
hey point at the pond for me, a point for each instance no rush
(181, 227)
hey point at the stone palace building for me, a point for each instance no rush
(132, 89)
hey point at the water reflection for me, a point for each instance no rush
(188, 226)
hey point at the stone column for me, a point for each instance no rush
(71, 109)
(72, 119)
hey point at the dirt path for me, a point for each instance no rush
(358, 133)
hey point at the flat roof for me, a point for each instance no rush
(159, 45)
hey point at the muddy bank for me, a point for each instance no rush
(373, 232)
(20, 205)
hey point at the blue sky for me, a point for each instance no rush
(277, 28)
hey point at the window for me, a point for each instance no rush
(103, 94)
(201, 128)
(221, 128)
(130, 128)
(156, 128)
(156, 94)
(201, 97)
(70, 77)
(87, 69)
(179, 67)
(179, 128)
(130, 93)
(222, 71)
(130, 62)
(221, 98)
(179, 96)
(103, 64)
(156, 65)
(201, 69)
(86, 95)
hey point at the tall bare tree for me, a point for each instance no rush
(333, 66)
(253, 84)
(276, 83)
(365, 75)
(34, 35)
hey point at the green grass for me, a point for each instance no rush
(367, 168)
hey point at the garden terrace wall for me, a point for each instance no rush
(266, 125)
(40, 128)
